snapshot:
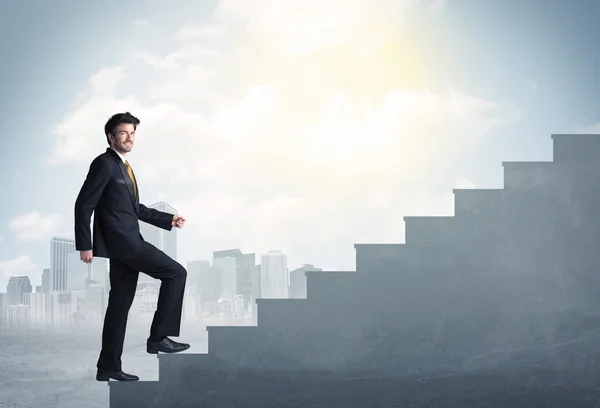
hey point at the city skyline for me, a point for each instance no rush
(67, 272)
(73, 292)
(164, 240)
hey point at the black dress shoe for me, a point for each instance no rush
(166, 345)
(105, 375)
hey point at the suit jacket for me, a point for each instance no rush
(108, 193)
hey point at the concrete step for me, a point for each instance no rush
(381, 258)
(393, 262)
(231, 343)
(274, 314)
(530, 175)
(325, 285)
(174, 367)
(349, 389)
(138, 394)
(430, 230)
(576, 149)
(478, 202)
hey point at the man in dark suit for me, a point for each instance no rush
(111, 193)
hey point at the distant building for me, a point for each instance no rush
(216, 282)
(3, 306)
(65, 307)
(78, 273)
(245, 266)
(274, 276)
(256, 283)
(95, 302)
(228, 269)
(198, 280)
(164, 240)
(46, 281)
(298, 281)
(16, 288)
(17, 316)
(59, 251)
(100, 273)
(37, 307)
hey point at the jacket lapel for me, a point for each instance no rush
(127, 179)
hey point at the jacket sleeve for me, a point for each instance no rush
(88, 197)
(154, 217)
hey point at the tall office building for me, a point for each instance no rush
(198, 278)
(298, 281)
(17, 287)
(46, 281)
(164, 240)
(274, 276)
(59, 250)
(245, 267)
(256, 283)
(216, 282)
(228, 268)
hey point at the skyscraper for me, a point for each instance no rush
(199, 278)
(228, 268)
(298, 281)
(245, 266)
(59, 249)
(16, 288)
(256, 285)
(46, 281)
(274, 276)
(164, 240)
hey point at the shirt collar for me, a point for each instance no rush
(120, 155)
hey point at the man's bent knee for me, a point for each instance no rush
(180, 272)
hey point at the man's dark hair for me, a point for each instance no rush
(118, 119)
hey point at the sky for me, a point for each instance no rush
(303, 126)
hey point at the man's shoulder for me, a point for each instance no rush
(103, 158)
(103, 162)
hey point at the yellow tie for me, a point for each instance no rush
(130, 172)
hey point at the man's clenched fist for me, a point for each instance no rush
(86, 256)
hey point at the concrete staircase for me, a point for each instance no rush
(455, 316)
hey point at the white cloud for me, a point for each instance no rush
(287, 139)
(34, 226)
(299, 28)
(106, 79)
(19, 266)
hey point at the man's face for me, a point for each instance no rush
(122, 140)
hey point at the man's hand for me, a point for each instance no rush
(178, 221)
(86, 256)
